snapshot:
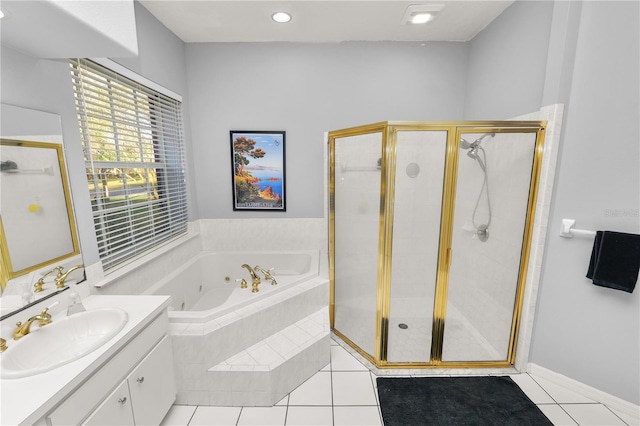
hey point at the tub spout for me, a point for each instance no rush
(254, 278)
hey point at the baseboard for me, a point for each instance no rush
(597, 395)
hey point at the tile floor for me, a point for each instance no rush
(344, 393)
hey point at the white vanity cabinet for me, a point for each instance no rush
(138, 382)
(142, 398)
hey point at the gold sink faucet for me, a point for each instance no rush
(60, 279)
(254, 278)
(38, 285)
(22, 330)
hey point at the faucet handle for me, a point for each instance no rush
(3, 345)
(243, 282)
(38, 285)
(267, 274)
(45, 316)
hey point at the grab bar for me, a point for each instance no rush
(568, 231)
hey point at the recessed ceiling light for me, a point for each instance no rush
(421, 18)
(281, 17)
(421, 13)
(1, 14)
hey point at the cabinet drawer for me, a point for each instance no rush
(88, 395)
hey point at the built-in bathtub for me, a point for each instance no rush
(216, 327)
(209, 286)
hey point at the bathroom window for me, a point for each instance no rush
(134, 156)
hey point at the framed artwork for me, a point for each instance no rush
(258, 159)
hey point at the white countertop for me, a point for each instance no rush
(26, 400)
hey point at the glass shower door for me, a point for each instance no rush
(356, 219)
(419, 179)
(491, 209)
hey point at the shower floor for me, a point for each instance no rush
(463, 341)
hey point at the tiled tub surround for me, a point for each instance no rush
(256, 347)
(208, 286)
(257, 354)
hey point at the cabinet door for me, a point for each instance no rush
(152, 385)
(115, 410)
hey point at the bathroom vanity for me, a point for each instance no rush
(129, 380)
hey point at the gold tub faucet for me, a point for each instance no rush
(22, 330)
(254, 278)
(60, 279)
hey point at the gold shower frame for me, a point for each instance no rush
(454, 129)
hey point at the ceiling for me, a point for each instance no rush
(202, 21)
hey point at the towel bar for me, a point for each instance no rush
(568, 231)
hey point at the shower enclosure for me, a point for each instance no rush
(430, 228)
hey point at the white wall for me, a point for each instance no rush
(305, 90)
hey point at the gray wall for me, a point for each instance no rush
(584, 55)
(307, 89)
(585, 332)
(46, 85)
(507, 60)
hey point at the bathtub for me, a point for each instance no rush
(205, 288)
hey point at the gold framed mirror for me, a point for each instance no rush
(37, 225)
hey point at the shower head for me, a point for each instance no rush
(473, 146)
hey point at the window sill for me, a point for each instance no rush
(97, 277)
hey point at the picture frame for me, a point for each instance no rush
(258, 170)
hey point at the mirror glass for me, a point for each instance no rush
(37, 226)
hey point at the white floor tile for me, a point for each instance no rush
(360, 416)
(344, 393)
(313, 416)
(262, 416)
(561, 395)
(592, 415)
(209, 416)
(178, 415)
(556, 415)
(532, 389)
(341, 360)
(315, 391)
(353, 388)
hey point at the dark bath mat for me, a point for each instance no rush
(456, 401)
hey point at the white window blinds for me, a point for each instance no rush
(133, 151)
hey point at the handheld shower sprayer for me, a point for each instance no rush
(474, 149)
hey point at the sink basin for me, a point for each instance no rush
(60, 342)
